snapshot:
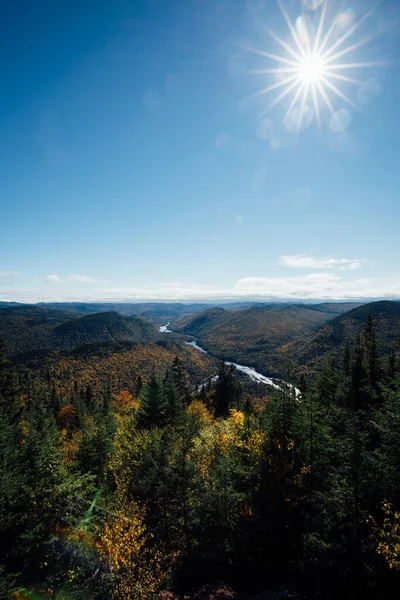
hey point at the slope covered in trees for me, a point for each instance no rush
(329, 341)
(28, 328)
(251, 335)
(113, 366)
(163, 493)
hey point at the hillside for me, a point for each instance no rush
(309, 354)
(251, 335)
(31, 328)
(114, 366)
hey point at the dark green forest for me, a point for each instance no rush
(160, 491)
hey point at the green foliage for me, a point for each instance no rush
(108, 494)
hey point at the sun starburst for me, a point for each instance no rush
(315, 66)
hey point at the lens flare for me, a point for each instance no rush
(313, 67)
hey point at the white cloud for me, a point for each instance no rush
(317, 286)
(81, 279)
(307, 261)
(76, 278)
(311, 286)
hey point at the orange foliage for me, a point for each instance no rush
(124, 402)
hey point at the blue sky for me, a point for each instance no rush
(138, 158)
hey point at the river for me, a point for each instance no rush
(249, 371)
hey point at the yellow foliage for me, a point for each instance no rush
(389, 536)
(236, 419)
(198, 409)
(123, 544)
(254, 444)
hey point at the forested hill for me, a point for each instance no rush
(160, 312)
(310, 353)
(28, 328)
(251, 335)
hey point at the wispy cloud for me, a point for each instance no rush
(81, 279)
(307, 261)
(75, 277)
(312, 286)
(7, 277)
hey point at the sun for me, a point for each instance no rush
(314, 66)
(311, 69)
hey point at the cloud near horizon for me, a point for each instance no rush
(313, 286)
(77, 278)
(307, 261)
(324, 284)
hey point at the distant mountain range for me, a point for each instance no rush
(160, 312)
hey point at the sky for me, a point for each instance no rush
(144, 155)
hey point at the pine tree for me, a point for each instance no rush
(175, 411)
(152, 404)
(227, 390)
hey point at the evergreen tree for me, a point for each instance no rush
(227, 390)
(152, 404)
(174, 401)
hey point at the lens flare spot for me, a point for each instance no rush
(369, 91)
(312, 4)
(302, 30)
(298, 119)
(265, 129)
(340, 121)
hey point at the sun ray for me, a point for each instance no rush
(325, 97)
(282, 96)
(340, 94)
(291, 28)
(359, 65)
(320, 27)
(327, 58)
(350, 32)
(344, 78)
(303, 105)
(273, 71)
(275, 57)
(294, 100)
(277, 85)
(284, 44)
(332, 26)
(316, 105)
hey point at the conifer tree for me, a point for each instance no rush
(152, 404)
(174, 409)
